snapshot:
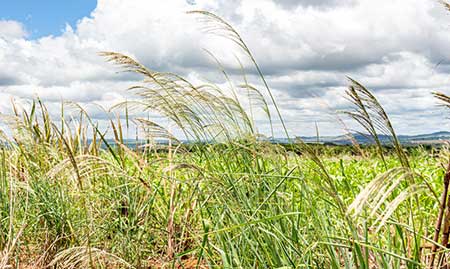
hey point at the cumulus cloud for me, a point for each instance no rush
(305, 48)
(11, 29)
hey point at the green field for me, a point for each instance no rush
(240, 204)
(69, 198)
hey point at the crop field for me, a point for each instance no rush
(73, 197)
(241, 204)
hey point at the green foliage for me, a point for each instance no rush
(242, 203)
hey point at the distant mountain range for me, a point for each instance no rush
(422, 139)
(432, 138)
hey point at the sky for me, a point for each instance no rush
(47, 17)
(305, 48)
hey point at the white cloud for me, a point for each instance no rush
(11, 30)
(306, 48)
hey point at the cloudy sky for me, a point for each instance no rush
(306, 49)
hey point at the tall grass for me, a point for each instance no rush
(228, 199)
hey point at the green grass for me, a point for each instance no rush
(233, 205)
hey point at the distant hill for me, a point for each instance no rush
(425, 139)
(432, 138)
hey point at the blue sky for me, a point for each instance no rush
(46, 17)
